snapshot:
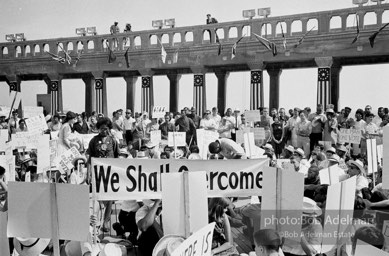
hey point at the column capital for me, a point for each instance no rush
(146, 72)
(324, 62)
(274, 71)
(129, 78)
(174, 76)
(221, 73)
(198, 69)
(12, 79)
(53, 76)
(256, 65)
(98, 74)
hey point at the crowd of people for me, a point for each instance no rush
(307, 140)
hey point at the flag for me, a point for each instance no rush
(126, 58)
(300, 41)
(57, 57)
(220, 47)
(283, 36)
(357, 35)
(146, 87)
(323, 86)
(233, 53)
(163, 52)
(373, 36)
(268, 44)
(111, 55)
(175, 56)
(68, 59)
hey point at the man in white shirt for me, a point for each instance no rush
(128, 124)
(215, 116)
(207, 122)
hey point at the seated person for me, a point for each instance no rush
(267, 243)
(127, 221)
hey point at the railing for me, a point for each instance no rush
(335, 21)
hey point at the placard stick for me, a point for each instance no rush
(94, 240)
(175, 147)
(54, 220)
(278, 197)
(186, 205)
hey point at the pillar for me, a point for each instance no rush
(335, 72)
(199, 93)
(274, 95)
(130, 91)
(90, 95)
(222, 77)
(324, 80)
(174, 91)
(54, 83)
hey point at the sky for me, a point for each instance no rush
(40, 19)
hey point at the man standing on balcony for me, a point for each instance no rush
(211, 20)
(114, 29)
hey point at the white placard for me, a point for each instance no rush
(252, 115)
(249, 144)
(371, 155)
(259, 133)
(31, 111)
(155, 137)
(65, 163)
(176, 139)
(36, 124)
(158, 112)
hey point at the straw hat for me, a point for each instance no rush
(310, 208)
(75, 160)
(151, 144)
(334, 158)
(290, 148)
(358, 163)
(332, 150)
(141, 154)
(300, 152)
(111, 249)
(167, 244)
(30, 246)
(268, 146)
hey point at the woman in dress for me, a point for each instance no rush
(65, 141)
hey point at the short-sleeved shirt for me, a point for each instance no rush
(317, 121)
(128, 123)
(230, 148)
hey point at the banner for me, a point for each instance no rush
(127, 179)
(31, 111)
(198, 244)
(158, 112)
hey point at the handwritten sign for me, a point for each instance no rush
(158, 112)
(198, 244)
(176, 139)
(355, 136)
(259, 133)
(65, 163)
(252, 115)
(31, 111)
(36, 123)
(25, 140)
(344, 136)
(349, 136)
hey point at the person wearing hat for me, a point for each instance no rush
(153, 150)
(167, 244)
(287, 152)
(330, 127)
(311, 228)
(268, 243)
(341, 151)
(356, 168)
(127, 29)
(30, 246)
(228, 148)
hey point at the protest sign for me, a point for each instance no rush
(259, 133)
(155, 137)
(344, 136)
(36, 124)
(338, 213)
(385, 231)
(14, 100)
(4, 245)
(363, 249)
(27, 140)
(385, 158)
(281, 201)
(184, 202)
(32, 111)
(65, 162)
(371, 156)
(355, 136)
(31, 212)
(198, 244)
(158, 112)
(331, 175)
(239, 136)
(126, 179)
(379, 154)
(176, 139)
(252, 115)
(204, 138)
